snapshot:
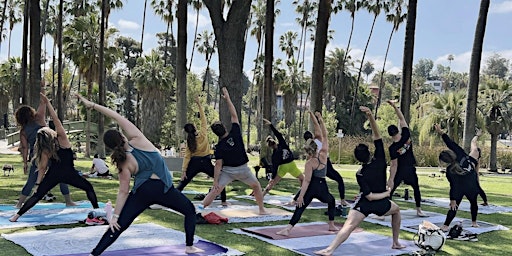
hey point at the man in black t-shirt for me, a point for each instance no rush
(403, 163)
(231, 159)
(374, 195)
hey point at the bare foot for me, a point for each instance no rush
(421, 214)
(69, 204)
(14, 218)
(18, 205)
(332, 227)
(325, 252)
(226, 204)
(193, 249)
(475, 225)
(445, 228)
(284, 232)
(397, 245)
(264, 212)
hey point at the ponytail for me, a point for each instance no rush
(449, 157)
(191, 137)
(115, 141)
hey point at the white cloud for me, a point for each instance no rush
(503, 7)
(461, 61)
(202, 22)
(126, 24)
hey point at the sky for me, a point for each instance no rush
(443, 27)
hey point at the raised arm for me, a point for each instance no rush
(401, 118)
(59, 128)
(474, 145)
(373, 124)
(231, 107)
(448, 141)
(130, 130)
(41, 109)
(202, 116)
(317, 130)
(278, 135)
(323, 130)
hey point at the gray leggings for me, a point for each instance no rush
(31, 182)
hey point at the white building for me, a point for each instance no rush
(437, 84)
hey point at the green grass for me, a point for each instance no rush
(492, 243)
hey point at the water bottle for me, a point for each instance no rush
(406, 194)
(108, 210)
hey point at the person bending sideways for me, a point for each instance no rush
(134, 155)
(314, 184)
(282, 159)
(54, 158)
(231, 159)
(374, 194)
(461, 172)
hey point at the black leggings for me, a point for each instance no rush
(317, 189)
(409, 177)
(196, 165)
(474, 207)
(335, 175)
(56, 176)
(481, 192)
(151, 192)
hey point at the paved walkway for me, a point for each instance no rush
(5, 149)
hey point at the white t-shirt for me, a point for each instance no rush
(99, 165)
(318, 145)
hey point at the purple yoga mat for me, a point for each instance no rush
(178, 250)
(297, 231)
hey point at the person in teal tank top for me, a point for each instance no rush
(134, 155)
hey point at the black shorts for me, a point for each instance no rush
(378, 207)
(407, 175)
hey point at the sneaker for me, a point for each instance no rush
(94, 221)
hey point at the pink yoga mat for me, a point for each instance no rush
(297, 231)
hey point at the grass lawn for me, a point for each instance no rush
(492, 243)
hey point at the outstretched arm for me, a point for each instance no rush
(41, 109)
(204, 124)
(448, 141)
(130, 130)
(231, 107)
(59, 128)
(323, 130)
(373, 124)
(474, 145)
(317, 130)
(399, 113)
(278, 135)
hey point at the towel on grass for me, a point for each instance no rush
(285, 202)
(410, 222)
(464, 205)
(83, 239)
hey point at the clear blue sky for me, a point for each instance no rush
(443, 27)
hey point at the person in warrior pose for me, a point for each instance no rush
(134, 155)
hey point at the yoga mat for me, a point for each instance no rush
(306, 230)
(177, 250)
(47, 214)
(377, 248)
(464, 205)
(215, 204)
(82, 240)
(357, 240)
(284, 202)
(410, 222)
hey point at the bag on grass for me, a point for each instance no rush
(429, 237)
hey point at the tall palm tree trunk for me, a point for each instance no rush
(381, 80)
(2, 21)
(35, 52)
(181, 68)
(24, 53)
(474, 74)
(195, 39)
(410, 29)
(100, 148)
(356, 89)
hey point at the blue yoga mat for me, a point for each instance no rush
(46, 214)
(178, 250)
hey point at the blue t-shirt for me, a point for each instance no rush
(150, 162)
(231, 149)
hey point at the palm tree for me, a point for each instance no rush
(206, 45)
(368, 69)
(375, 7)
(446, 109)
(82, 47)
(15, 11)
(2, 21)
(153, 80)
(10, 73)
(287, 44)
(396, 18)
(410, 28)
(163, 8)
(496, 95)
(181, 68)
(197, 4)
(258, 26)
(474, 74)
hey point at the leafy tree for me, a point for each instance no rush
(368, 69)
(497, 66)
(10, 73)
(423, 68)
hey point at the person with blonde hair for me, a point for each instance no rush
(282, 159)
(54, 159)
(314, 184)
(134, 155)
(461, 172)
(30, 122)
(374, 193)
